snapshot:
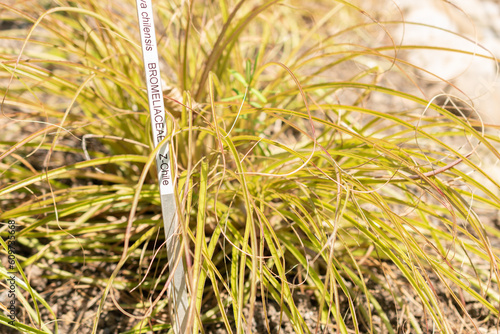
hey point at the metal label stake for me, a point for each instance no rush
(179, 303)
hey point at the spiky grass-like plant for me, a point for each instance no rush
(309, 164)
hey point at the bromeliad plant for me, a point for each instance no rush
(308, 163)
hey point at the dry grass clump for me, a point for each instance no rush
(310, 165)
